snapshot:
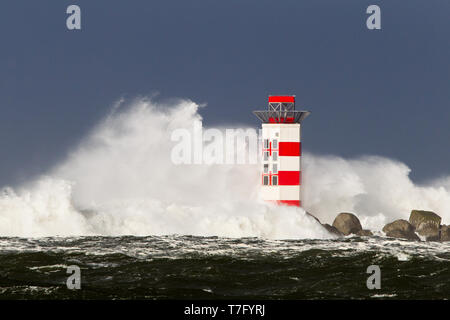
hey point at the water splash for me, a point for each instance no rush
(120, 180)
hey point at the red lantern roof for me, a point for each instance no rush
(285, 99)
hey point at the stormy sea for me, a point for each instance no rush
(140, 226)
(188, 267)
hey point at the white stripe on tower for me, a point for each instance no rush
(290, 163)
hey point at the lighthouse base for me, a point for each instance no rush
(292, 203)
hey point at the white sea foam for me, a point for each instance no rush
(120, 180)
(378, 189)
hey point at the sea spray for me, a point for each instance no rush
(120, 180)
(377, 189)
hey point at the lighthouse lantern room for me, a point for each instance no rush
(281, 151)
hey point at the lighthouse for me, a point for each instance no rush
(281, 176)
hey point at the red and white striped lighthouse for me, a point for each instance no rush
(281, 127)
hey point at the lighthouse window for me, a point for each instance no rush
(266, 143)
(274, 168)
(266, 168)
(266, 156)
(274, 180)
(275, 156)
(266, 180)
(275, 144)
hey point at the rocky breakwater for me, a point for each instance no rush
(426, 224)
(421, 222)
(345, 224)
(348, 223)
(401, 229)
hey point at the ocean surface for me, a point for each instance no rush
(187, 267)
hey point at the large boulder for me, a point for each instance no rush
(365, 233)
(332, 229)
(432, 238)
(445, 233)
(427, 223)
(347, 223)
(401, 229)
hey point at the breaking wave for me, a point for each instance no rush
(120, 180)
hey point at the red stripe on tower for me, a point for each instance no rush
(294, 203)
(290, 149)
(289, 178)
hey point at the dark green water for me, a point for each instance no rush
(183, 267)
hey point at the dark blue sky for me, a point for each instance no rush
(383, 92)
